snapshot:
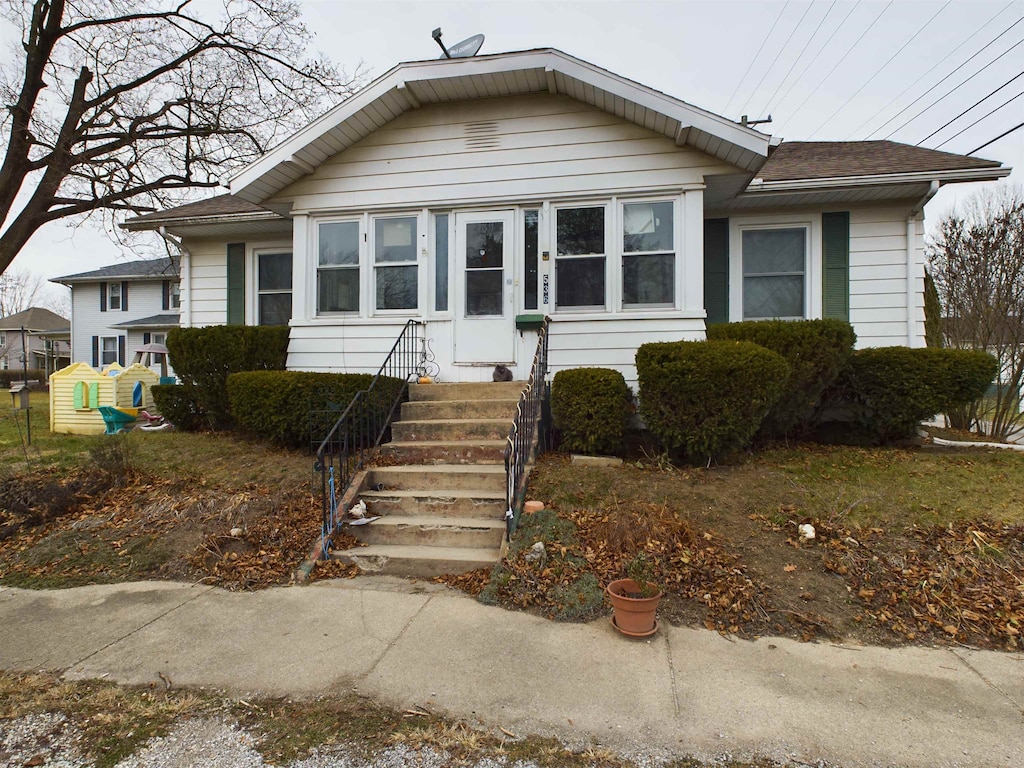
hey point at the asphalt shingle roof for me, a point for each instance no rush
(164, 268)
(827, 159)
(153, 321)
(34, 319)
(221, 205)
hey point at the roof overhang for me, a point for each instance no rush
(412, 85)
(266, 222)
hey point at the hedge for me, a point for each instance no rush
(703, 400)
(203, 358)
(590, 408)
(177, 404)
(890, 390)
(10, 375)
(298, 408)
(817, 351)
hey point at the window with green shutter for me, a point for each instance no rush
(835, 235)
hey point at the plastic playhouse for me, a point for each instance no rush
(86, 402)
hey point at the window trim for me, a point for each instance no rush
(811, 223)
(675, 253)
(314, 301)
(110, 295)
(257, 292)
(609, 238)
(103, 351)
(252, 252)
(432, 310)
(371, 261)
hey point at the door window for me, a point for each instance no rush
(485, 263)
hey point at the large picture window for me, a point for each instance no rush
(274, 288)
(580, 260)
(648, 254)
(774, 270)
(395, 265)
(337, 272)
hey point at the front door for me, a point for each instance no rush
(484, 318)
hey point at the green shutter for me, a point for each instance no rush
(716, 270)
(236, 284)
(835, 236)
(94, 394)
(78, 393)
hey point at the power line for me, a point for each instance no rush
(989, 95)
(964, 64)
(749, 66)
(997, 138)
(841, 60)
(769, 68)
(796, 61)
(821, 50)
(1013, 98)
(947, 93)
(879, 70)
(925, 74)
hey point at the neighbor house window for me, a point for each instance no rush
(159, 338)
(774, 270)
(3, 339)
(580, 257)
(114, 295)
(337, 273)
(175, 296)
(108, 350)
(395, 264)
(648, 254)
(441, 262)
(274, 288)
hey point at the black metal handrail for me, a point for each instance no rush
(525, 439)
(362, 425)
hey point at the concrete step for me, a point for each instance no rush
(446, 451)
(425, 410)
(432, 531)
(493, 390)
(422, 503)
(424, 562)
(452, 429)
(443, 477)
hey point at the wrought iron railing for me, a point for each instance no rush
(363, 424)
(526, 439)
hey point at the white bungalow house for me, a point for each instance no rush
(467, 192)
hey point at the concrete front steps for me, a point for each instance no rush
(442, 505)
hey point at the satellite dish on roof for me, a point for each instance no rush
(463, 50)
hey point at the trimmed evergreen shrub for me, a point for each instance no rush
(702, 400)
(203, 358)
(890, 390)
(590, 408)
(177, 404)
(290, 408)
(817, 351)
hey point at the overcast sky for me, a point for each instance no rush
(824, 70)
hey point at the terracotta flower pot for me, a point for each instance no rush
(634, 616)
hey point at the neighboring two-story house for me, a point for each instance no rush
(44, 340)
(118, 308)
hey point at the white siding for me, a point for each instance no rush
(145, 299)
(523, 147)
(207, 283)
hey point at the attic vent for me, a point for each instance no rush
(482, 135)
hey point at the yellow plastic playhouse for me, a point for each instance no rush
(78, 392)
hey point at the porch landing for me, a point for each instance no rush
(441, 499)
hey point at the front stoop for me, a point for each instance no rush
(442, 505)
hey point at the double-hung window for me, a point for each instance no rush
(274, 288)
(108, 350)
(337, 273)
(114, 295)
(580, 257)
(648, 254)
(396, 268)
(774, 273)
(174, 296)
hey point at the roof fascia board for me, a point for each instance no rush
(809, 185)
(186, 221)
(107, 278)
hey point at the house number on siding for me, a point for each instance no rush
(547, 289)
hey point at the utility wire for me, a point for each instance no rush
(947, 93)
(927, 72)
(796, 61)
(997, 138)
(821, 50)
(749, 66)
(770, 66)
(989, 95)
(879, 70)
(964, 64)
(849, 50)
(1012, 98)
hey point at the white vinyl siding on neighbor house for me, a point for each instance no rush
(145, 299)
(492, 150)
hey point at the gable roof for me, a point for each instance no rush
(34, 319)
(546, 70)
(143, 269)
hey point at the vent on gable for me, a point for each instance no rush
(482, 135)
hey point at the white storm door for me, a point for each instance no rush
(484, 318)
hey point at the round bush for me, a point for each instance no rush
(705, 399)
(590, 408)
(178, 405)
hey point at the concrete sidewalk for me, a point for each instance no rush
(683, 692)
